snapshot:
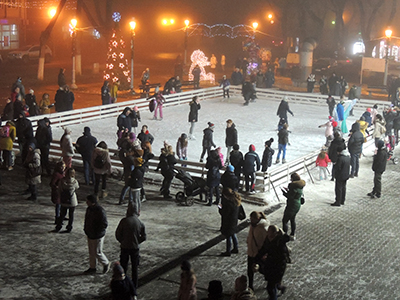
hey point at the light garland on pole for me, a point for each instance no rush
(199, 58)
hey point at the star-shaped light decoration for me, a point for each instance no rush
(116, 16)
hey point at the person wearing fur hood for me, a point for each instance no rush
(255, 240)
(67, 148)
(293, 193)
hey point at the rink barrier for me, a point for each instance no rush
(82, 115)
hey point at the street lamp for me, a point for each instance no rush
(72, 28)
(255, 25)
(52, 12)
(132, 24)
(186, 40)
(388, 33)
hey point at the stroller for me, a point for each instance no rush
(192, 187)
(390, 144)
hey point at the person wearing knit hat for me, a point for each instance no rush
(251, 165)
(231, 138)
(267, 155)
(379, 167)
(368, 117)
(207, 140)
(229, 179)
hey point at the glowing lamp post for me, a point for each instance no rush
(132, 25)
(255, 25)
(388, 33)
(52, 12)
(72, 29)
(186, 41)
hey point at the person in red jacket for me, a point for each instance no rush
(322, 163)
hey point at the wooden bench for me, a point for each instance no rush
(146, 88)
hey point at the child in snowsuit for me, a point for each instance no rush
(322, 163)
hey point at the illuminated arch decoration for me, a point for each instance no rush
(199, 58)
(226, 30)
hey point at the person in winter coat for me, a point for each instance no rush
(269, 78)
(166, 164)
(122, 287)
(242, 291)
(379, 129)
(237, 77)
(379, 167)
(33, 170)
(283, 140)
(255, 239)
(231, 138)
(160, 100)
(145, 76)
(101, 165)
(24, 133)
(367, 116)
(124, 120)
(328, 132)
(275, 255)
(6, 144)
(18, 84)
(193, 115)
(363, 127)
(283, 109)
(85, 146)
(114, 91)
(331, 104)
(229, 179)
(213, 165)
(131, 232)
(30, 100)
(236, 160)
(323, 85)
(187, 288)
(181, 147)
(67, 147)
(374, 112)
(390, 114)
(332, 81)
(136, 183)
(60, 100)
(44, 104)
(260, 80)
(44, 137)
(95, 230)
(61, 78)
(196, 76)
(342, 171)
(169, 85)
(58, 174)
(340, 112)
(248, 92)
(69, 98)
(135, 117)
(267, 155)
(251, 165)
(343, 86)
(293, 193)
(225, 86)
(18, 107)
(338, 142)
(127, 153)
(396, 127)
(145, 135)
(310, 83)
(178, 84)
(105, 93)
(67, 186)
(207, 140)
(8, 111)
(355, 144)
(229, 212)
(322, 163)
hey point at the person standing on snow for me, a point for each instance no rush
(207, 140)
(237, 77)
(160, 100)
(355, 144)
(105, 93)
(193, 115)
(342, 171)
(283, 109)
(236, 160)
(249, 169)
(267, 155)
(231, 138)
(310, 83)
(283, 140)
(225, 86)
(378, 166)
(328, 132)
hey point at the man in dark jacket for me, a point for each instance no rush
(331, 104)
(355, 144)
(60, 100)
(95, 230)
(130, 233)
(193, 115)
(85, 146)
(213, 165)
(283, 109)
(196, 76)
(69, 98)
(229, 179)
(44, 137)
(145, 135)
(338, 142)
(24, 134)
(136, 182)
(249, 169)
(105, 93)
(342, 170)
(248, 92)
(236, 159)
(236, 77)
(378, 166)
(267, 155)
(231, 138)
(166, 164)
(207, 140)
(124, 121)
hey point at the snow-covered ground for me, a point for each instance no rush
(255, 123)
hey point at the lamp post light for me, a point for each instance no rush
(388, 33)
(186, 41)
(72, 26)
(132, 24)
(255, 25)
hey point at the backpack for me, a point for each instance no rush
(152, 105)
(65, 197)
(99, 162)
(5, 131)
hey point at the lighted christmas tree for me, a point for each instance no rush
(117, 67)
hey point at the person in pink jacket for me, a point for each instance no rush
(322, 162)
(328, 131)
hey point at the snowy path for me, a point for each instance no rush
(255, 123)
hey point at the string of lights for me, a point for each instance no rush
(37, 4)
